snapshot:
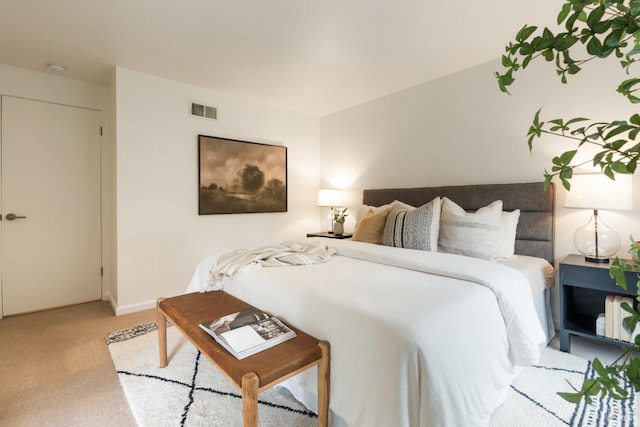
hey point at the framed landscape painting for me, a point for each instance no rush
(240, 176)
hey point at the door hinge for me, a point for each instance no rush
(100, 130)
(101, 271)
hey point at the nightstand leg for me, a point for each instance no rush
(565, 341)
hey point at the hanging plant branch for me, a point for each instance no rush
(602, 30)
(602, 27)
(619, 153)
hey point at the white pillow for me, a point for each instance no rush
(473, 234)
(508, 228)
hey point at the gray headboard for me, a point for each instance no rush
(535, 233)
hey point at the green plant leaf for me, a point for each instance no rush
(574, 398)
(612, 40)
(594, 47)
(633, 371)
(599, 368)
(564, 12)
(568, 156)
(594, 18)
(525, 32)
(577, 120)
(617, 272)
(563, 43)
(619, 167)
(526, 49)
(617, 130)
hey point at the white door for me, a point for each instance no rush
(50, 180)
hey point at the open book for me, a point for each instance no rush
(247, 332)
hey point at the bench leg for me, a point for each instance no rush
(162, 335)
(323, 385)
(250, 386)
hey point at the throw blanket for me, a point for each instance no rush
(288, 253)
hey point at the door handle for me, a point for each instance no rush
(12, 216)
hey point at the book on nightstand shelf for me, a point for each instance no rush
(614, 317)
(247, 332)
(608, 316)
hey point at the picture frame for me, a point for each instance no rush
(237, 176)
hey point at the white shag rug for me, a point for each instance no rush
(191, 392)
(533, 401)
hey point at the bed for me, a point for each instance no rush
(418, 337)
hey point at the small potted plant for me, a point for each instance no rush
(339, 216)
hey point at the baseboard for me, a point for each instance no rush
(133, 308)
(112, 302)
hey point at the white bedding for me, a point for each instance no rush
(541, 276)
(417, 338)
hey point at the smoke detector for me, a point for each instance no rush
(58, 68)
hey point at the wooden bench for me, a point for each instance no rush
(255, 373)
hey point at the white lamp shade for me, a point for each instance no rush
(331, 198)
(597, 191)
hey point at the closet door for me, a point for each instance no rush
(50, 204)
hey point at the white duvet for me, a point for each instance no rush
(417, 338)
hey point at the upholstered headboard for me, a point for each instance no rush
(535, 233)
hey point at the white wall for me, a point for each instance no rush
(462, 130)
(57, 89)
(160, 236)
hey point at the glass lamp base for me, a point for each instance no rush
(596, 241)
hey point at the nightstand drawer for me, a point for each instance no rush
(597, 279)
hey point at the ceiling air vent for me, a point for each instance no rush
(204, 111)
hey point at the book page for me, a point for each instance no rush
(271, 328)
(242, 338)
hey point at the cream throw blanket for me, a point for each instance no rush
(288, 253)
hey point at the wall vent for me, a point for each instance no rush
(203, 111)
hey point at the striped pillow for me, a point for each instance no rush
(473, 234)
(413, 229)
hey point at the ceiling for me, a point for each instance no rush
(314, 57)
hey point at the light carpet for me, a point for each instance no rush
(191, 392)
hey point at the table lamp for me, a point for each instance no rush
(333, 199)
(596, 241)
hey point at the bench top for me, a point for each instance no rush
(272, 365)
